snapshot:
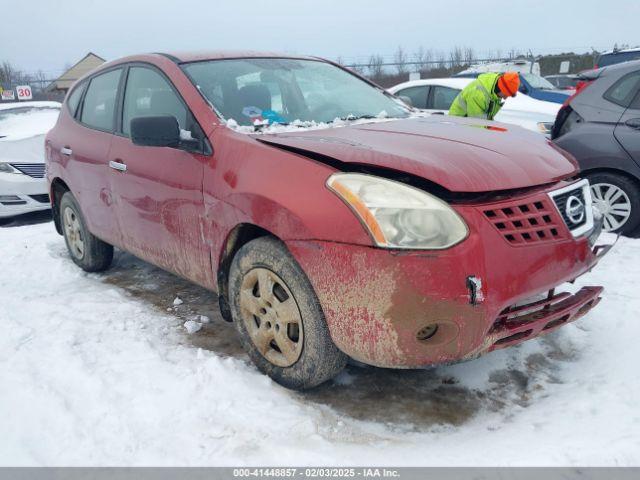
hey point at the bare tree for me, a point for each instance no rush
(456, 57)
(375, 66)
(400, 59)
(7, 73)
(422, 59)
(469, 56)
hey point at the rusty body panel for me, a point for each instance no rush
(178, 210)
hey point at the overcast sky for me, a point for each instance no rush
(47, 35)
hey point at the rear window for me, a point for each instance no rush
(624, 90)
(100, 101)
(619, 57)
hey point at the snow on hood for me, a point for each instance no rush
(300, 125)
(460, 154)
(24, 120)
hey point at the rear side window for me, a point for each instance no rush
(623, 91)
(74, 99)
(418, 95)
(100, 101)
(148, 94)
(443, 97)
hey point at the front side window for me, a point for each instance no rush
(418, 95)
(74, 99)
(623, 91)
(443, 97)
(149, 94)
(283, 90)
(100, 101)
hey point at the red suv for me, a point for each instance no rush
(331, 220)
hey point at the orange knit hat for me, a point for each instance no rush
(509, 83)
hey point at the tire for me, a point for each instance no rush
(94, 254)
(626, 195)
(273, 305)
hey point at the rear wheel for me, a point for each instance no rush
(618, 198)
(278, 317)
(87, 251)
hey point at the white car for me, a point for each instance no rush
(436, 95)
(23, 125)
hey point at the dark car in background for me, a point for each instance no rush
(618, 56)
(600, 127)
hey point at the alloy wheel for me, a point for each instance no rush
(73, 232)
(614, 204)
(271, 316)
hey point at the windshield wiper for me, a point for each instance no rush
(358, 117)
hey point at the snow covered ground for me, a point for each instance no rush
(98, 369)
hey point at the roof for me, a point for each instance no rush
(446, 82)
(89, 62)
(624, 50)
(225, 54)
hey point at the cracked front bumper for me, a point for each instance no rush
(379, 303)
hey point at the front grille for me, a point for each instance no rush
(41, 197)
(561, 202)
(522, 223)
(35, 170)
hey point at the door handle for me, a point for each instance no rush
(121, 167)
(633, 123)
(66, 151)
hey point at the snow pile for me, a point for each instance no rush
(94, 375)
(34, 104)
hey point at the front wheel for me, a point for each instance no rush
(278, 317)
(618, 198)
(87, 251)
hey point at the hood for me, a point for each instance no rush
(459, 154)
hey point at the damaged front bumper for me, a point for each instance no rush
(405, 309)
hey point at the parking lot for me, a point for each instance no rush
(98, 368)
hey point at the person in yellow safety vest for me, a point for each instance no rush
(483, 97)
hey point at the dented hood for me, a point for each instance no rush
(460, 154)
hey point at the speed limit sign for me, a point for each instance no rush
(24, 92)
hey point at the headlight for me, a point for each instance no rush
(7, 168)
(545, 127)
(397, 215)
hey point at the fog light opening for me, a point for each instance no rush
(427, 332)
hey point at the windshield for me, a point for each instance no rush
(283, 90)
(537, 81)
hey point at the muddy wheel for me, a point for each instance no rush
(278, 317)
(87, 251)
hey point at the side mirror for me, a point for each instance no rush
(406, 100)
(158, 131)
